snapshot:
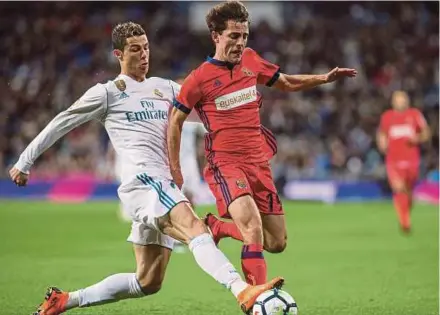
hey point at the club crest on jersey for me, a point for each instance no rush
(120, 84)
(247, 72)
(241, 183)
(158, 93)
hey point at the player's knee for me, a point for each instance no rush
(275, 246)
(198, 227)
(252, 233)
(150, 286)
(398, 187)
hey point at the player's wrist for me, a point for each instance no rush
(323, 78)
(23, 167)
(175, 168)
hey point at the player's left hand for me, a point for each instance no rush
(18, 177)
(338, 73)
(414, 140)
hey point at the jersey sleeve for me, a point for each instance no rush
(268, 73)
(92, 105)
(192, 117)
(189, 95)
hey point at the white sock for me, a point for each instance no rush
(215, 263)
(112, 289)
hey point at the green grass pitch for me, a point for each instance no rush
(343, 259)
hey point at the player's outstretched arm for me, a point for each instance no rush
(174, 136)
(300, 82)
(89, 106)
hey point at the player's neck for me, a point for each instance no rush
(401, 110)
(133, 76)
(220, 57)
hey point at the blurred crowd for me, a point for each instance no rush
(52, 52)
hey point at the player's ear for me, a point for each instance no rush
(215, 37)
(118, 54)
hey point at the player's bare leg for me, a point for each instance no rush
(274, 232)
(402, 201)
(246, 216)
(182, 223)
(151, 264)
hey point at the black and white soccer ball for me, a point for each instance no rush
(275, 302)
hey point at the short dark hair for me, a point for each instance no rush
(125, 30)
(218, 17)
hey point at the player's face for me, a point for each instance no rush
(400, 100)
(135, 56)
(232, 41)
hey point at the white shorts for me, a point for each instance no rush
(145, 200)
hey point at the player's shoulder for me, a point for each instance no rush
(414, 111)
(164, 88)
(116, 85)
(204, 69)
(158, 81)
(388, 113)
(97, 91)
(249, 52)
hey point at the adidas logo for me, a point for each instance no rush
(217, 83)
(123, 95)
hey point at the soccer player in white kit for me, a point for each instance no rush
(134, 111)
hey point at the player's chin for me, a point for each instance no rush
(235, 58)
(144, 68)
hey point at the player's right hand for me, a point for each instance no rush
(177, 177)
(18, 177)
(338, 73)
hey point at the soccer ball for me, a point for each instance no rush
(275, 302)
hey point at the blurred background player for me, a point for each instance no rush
(402, 130)
(223, 92)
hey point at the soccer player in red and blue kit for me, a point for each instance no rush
(402, 129)
(223, 91)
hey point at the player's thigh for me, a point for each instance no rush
(182, 223)
(227, 183)
(244, 212)
(413, 177)
(147, 200)
(151, 264)
(396, 178)
(263, 189)
(270, 207)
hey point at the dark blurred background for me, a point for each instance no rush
(52, 52)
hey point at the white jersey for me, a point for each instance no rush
(135, 115)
